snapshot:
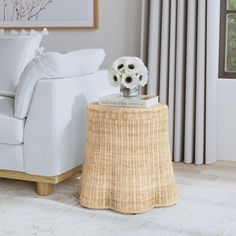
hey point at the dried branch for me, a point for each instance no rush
(40, 9)
(24, 9)
(5, 9)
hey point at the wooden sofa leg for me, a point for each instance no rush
(44, 189)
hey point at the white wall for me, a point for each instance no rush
(225, 106)
(118, 33)
(226, 119)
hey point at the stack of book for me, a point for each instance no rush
(120, 101)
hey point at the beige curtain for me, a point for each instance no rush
(177, 45)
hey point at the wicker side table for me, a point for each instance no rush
(127, 166)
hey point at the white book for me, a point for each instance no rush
(120, 101)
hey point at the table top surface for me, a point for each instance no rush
(97, 111)
(96, 106)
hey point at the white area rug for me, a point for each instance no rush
(200, 211)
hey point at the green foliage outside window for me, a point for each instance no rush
(231, 4)
(231, 37)
(231, 42)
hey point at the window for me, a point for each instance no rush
(227, 56)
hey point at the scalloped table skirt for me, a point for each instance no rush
(127, 166)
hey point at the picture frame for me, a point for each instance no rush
(52, 14)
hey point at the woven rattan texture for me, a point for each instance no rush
(127, 166)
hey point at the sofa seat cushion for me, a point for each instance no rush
(11, 128)
(11, 157)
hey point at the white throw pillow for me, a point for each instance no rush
(54, 65)
(37, 37)
(17, 49)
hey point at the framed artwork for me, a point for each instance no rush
(54, 14)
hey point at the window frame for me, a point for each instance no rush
(223, 74)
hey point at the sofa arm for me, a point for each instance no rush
(55, 130)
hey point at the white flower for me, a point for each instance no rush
(134, 64)
(119, 65)
(143, 78)
(130, 80)
(115, 78)
(129, 72)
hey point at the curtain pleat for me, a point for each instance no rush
(189, 136)
(164, 56)
(178, 56)
(200, 83)
(154, 40)
(180, 81)
(212, 42)
(172, 68)
(144, 30)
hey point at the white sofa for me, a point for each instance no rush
(48, 146)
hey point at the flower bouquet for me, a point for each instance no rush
(128, 73)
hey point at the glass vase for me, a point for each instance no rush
(126, 92)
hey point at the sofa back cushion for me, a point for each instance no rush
(17, 49)
(53, 65)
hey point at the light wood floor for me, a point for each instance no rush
(221, 174)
